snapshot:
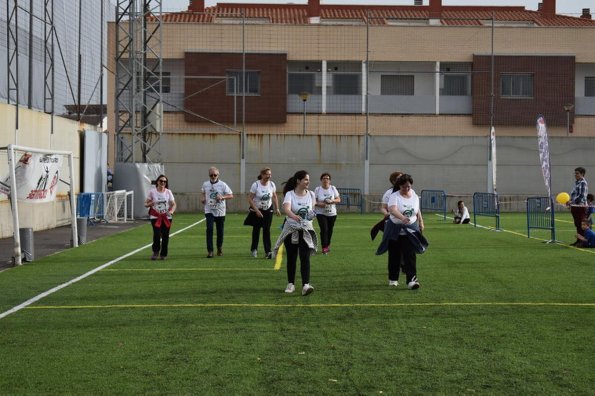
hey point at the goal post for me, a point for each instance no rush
(13, 163)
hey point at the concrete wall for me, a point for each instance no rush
(457, 165)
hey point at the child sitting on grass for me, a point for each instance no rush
(461, 214)
(587, 241)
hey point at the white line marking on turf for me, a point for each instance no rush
(592, 251)
(85, 275)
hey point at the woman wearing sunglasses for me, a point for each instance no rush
(162, 205)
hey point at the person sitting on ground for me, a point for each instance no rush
(587, 241)
(461, 214)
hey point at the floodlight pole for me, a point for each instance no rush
(304, 97)
(568, 108)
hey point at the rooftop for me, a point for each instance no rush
(314, 12)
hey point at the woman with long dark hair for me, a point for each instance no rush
(403, 237)
(298, 235)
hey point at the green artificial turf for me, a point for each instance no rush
(497, 313)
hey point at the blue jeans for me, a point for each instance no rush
(219, 222)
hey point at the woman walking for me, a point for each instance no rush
(162, 205)
(298, 235)
(263, 203)
(327, 198)
(402, 233)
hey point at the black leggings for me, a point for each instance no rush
(326, 224)
(292, 254)
(263, 223)
(160, 238)
(401, 255)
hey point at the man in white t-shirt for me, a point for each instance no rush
(214, 193)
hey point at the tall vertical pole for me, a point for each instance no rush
(366, 76)
(243, 87)
(491, 187)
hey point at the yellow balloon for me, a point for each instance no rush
(562, 198)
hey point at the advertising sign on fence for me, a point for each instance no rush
(36, 176)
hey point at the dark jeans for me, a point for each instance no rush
(326, 224)
(401, 255)
(160, 238)
(219, 222)
(579, 213)
(293, 251)
(263, 224)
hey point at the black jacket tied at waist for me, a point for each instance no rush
(392, 231)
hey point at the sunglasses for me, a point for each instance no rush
(214, 175)
(162, 181)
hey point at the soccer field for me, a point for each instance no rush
(497, 313)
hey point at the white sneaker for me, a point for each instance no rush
(414, 284)
(290, 288)
(307, 289)
(393, 283)
(255, 253)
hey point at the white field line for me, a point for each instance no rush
(590, 251)
(85, 275)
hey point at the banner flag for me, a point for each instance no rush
(544, 153)
(37, 177)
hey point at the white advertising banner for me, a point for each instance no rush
(36, 177)
(544, 153)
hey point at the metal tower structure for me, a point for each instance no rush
(138, 102)
(13, 54)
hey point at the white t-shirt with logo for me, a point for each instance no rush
(322, 194)
(161, 201)
(216, 208)
(409, 207)
(301, 206)
(263, 195)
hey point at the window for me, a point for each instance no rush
(516, 85)
(300, 82)
(589, 86)
(153, 82)
(236, 86)
(455, 85)
(346, 84)
(397, 85)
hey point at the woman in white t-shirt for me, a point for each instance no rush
(402, 233)
(327, 198)
(162, 205)
(298, 235)
(384, 205)
(461, 214)
(263, 203)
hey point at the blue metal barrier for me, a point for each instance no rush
(540, 215)
(486, 204)
(90, 205)
(434, 201)
(351, 197)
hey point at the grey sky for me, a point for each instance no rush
(569, 7)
